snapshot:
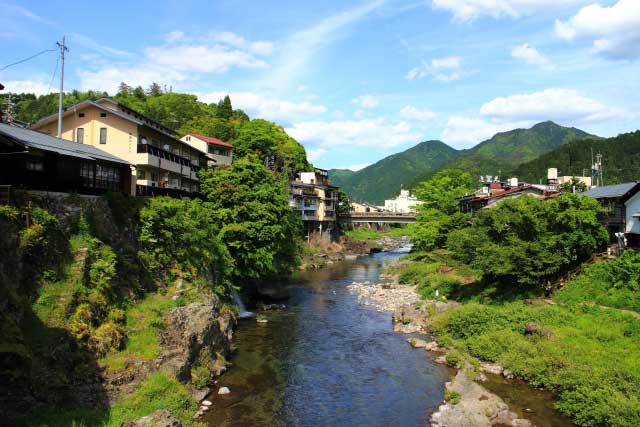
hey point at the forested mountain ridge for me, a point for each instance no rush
(505, 150)
(383, 179)
(621, 159)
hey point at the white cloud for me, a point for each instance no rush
(175, 61)
(614, 31)
(302, 47)
(563, 105)
(28, 86)
(465, 132)
(174, 36)
(315, 154)
(469, 10)
(531, 55)
(366, 101)
(415, 114)
(445, 69)
(268, 107)
(263, 48)
(376, 132)
(203, 58)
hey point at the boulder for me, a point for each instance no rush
(160, 418)
(432, 346)
(491, 368)
(224, 390)
(417, 343)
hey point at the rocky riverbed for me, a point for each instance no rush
(469, 404)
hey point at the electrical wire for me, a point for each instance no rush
(26, 59)
(55, 71)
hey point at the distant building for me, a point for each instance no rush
(219, 153)
(164, 164)
(622, 206)
(554, 181)
(364, 207)
(404, 203)
(35, 161)
(316, 201)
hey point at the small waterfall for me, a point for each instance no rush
(243, 313)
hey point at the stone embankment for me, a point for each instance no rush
(469, 404)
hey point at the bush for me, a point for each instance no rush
(452, 396)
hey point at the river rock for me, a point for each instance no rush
(224, 390)
(432, 346)
(417, 343)
(206, 403)
(199, 394)
(491, 368)
(160, 418)
(442, 360)
(508, 374)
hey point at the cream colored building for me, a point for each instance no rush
(220, 153)
(312, 196)
(404, 203)
(163, 163)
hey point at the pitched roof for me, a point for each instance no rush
(210, 140)
(611, 191)
(33, 139)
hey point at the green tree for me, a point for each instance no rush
(225, 110)
(574, 186)
(439, 215)
(154, 89)
(260, 230)
(344, 204)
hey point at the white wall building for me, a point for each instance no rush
(404, 203)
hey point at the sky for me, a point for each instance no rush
(354, 81)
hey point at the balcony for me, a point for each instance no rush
(153, 156)
(148, 191)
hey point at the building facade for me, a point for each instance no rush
(219, 153)
(621, 204)
(34, 161)
(316, 201)
(404, 203)
(164, 165)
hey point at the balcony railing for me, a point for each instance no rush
(147, 190)
(163, 154)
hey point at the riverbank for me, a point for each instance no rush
(588, 355)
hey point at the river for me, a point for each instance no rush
(329, 361)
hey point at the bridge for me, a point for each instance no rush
(380, 217)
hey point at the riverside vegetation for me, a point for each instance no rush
(98, 294)
(534, 296)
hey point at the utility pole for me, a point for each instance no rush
(63, 48)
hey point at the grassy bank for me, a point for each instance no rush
(587, 354)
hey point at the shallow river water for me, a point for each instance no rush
(328, 361)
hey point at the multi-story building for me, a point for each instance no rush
(164, 165)
(403, 203)
(316, 200)
(219, 153)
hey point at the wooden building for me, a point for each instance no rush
(35, 161)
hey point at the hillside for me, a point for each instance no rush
(384, 178)
(505, 150)
(621, 159)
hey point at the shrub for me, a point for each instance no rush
(452, 396)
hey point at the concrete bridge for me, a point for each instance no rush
(379, 217)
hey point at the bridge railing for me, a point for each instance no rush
(381, 214)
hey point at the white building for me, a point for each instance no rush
(404, 203)
(220, 153)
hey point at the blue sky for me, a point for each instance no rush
(353, 81)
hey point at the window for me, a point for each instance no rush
(103, 135)
(80, 135)
(80, 114)
(36, 165)
(103, 114)
(87, 174)
(107, 177)
(141, 174)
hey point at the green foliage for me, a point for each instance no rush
(530, 242)
(614, 283)
(157, 391)
(573, 186)
(224, 110)
(383, 179)
(621, 159)
(344, 204)
(261, 232)
(452, 396)
(592, 360)
(182, 233)
(438, 215)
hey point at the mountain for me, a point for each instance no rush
(621, 159)
(506, 150)
(384, 178)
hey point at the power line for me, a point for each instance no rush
(26, 59)
(53, 76)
